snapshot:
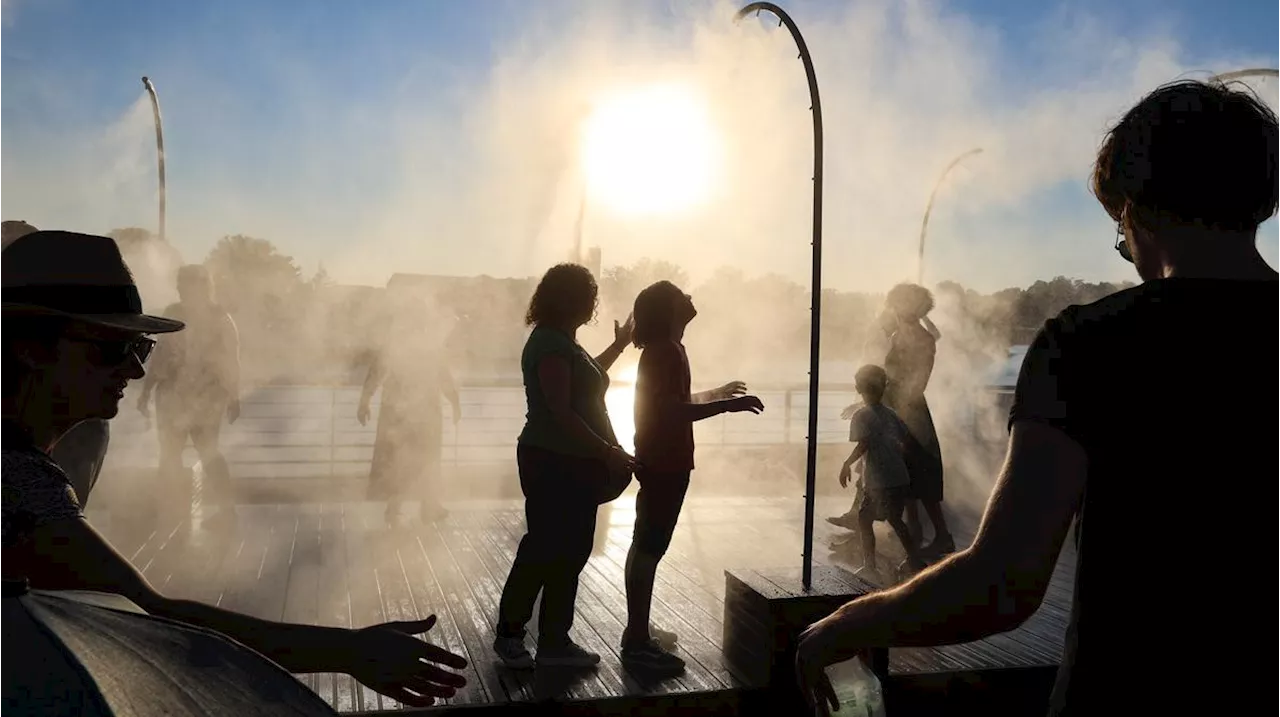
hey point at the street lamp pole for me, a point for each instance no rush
(155, 109)
(1252, 72)
(815, 310)
(928, 209)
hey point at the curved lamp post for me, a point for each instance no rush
(928, 208)
(815, 317)
(155, 109)
(1253, 72)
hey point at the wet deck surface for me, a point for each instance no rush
(340, 565)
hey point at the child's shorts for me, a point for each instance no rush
(658, 507)
(884, 503)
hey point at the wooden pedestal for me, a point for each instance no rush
(766, 610)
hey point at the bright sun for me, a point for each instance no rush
(649, 150)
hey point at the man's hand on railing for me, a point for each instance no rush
(233, 410)
(362, 413)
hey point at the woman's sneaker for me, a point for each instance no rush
(665, 638)
(513, 653)
(569, 655)
(650, 656)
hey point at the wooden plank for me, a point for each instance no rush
(474, 618)
(301, 600)
(363, 588)
(333, 602)
(424, 590)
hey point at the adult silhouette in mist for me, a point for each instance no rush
(196, 382)
(74, 336)
(568, 457)
(83, 450)
(1140, 406)
(413, 371)
(665, 411)
(904, 342)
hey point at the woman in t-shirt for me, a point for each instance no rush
(567, 455)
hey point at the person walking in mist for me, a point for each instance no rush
(665, 411)
(884, 485)
(568, 457)
(196, 382)
(1128, 411)
(83, 450)
(74, 336)
(414, 375)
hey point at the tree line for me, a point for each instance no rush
(307, 329)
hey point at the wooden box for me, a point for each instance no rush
(766, 610)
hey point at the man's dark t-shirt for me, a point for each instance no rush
(664, 437)
(1168, 387)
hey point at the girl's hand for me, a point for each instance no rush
(619, 461)
(730, 390)
(745, 404)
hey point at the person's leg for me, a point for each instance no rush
(912, 514)
(427, 488)
(570, 543)
(528, 569)
(657, 511)
(910, 545)
(867, 533)
(172, 432)
(206, 432)
(942, 542)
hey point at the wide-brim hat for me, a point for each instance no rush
(75, 276)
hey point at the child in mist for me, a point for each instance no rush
(665, 411)
(885, 485)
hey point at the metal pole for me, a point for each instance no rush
(155, 109)
(815, 317)
(928, 208)
(578, 256)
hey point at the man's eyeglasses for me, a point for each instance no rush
(1122, 246)
(114, 353)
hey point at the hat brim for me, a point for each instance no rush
(141, 323)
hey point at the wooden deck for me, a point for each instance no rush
(338, 564)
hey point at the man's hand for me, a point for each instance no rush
(846, 474)
(233, 410)
(362, 412)
(144, 404)
(814, 653)
(729, 390)
(389, 659)
(622, 332)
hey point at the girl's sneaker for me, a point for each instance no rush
(513, 653)
(568, 655)
(650, 656)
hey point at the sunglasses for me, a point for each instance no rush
(1122, 246)
(114, 353)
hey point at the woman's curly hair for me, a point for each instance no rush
(910, 299)
(566, 293)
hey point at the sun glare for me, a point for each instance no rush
(650, 150)
(620, 400)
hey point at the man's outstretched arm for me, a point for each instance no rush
(991, 587)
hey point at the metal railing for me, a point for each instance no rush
(312, 431)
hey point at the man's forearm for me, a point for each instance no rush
(297, 648)
(958, 600)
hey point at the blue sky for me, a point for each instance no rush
(367, 135)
